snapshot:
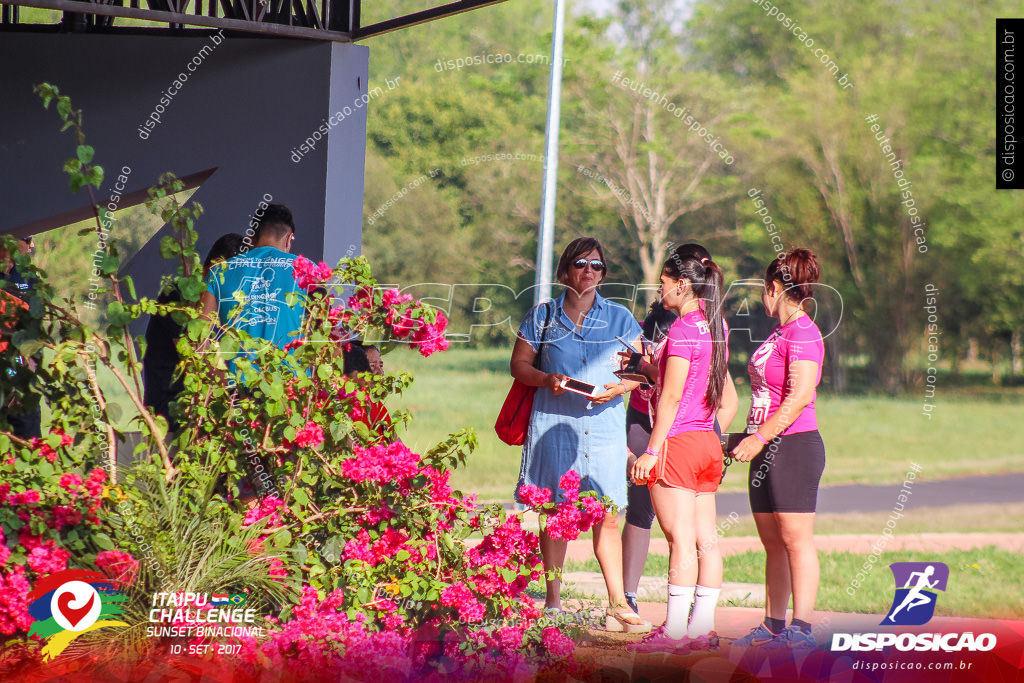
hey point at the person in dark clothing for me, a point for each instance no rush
(160, 388)
(13, 296)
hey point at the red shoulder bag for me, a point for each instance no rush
(514, 417)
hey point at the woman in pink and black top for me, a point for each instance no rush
(785, 451)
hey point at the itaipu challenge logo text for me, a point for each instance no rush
(72, 602)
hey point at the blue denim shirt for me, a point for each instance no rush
(567, 432)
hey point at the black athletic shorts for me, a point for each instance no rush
(785, 476)
(639, 509)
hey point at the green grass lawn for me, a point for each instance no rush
(868, 439)
(982, 583)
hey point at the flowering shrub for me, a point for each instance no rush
(569, 518)
(283, 483)
(48, 517)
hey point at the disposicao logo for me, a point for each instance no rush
(914, 603)
(72, 602)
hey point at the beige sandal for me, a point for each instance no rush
(627, 620)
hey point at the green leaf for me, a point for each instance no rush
(300, 496)
(103, 541)
(130, 284)
(27, 341)
(191, 289)
(169, 247)
(117, 315)
(109, 265)
(64, 106)
(95, 175)
(338, 429)
(85, 153)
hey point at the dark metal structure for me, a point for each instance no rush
(242, 99)
(334, 20)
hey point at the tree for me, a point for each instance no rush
(653, 137)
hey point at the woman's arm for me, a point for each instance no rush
(521, 367)
(801, 379)
(676, 371)
(729, 405)
(615, 389)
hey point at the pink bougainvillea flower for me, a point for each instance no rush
(118, 565)
(406, 325)
(310, 436)
(45, 450)
(381, 464)
(69, 482)
(94, 484)
(358, 548)
(534, 496)
(361, 299)
(14, 590)
(64, 515)
(25, 497)
(570, 483)
(429, 339)
(394, 297)
(593, 512)
(47, 558)
(556, 642)
(565, 523)
(309, 275)
(461, 598)
(268, 508)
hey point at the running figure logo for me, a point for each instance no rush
(916, 583)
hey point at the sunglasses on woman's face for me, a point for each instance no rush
(595, 264)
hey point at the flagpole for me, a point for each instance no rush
(546, 236)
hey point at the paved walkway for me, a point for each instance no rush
(987, 489)
(583, 549)
(734, 622)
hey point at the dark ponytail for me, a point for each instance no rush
(693, 262)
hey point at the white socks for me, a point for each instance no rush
(703, 620)
(680, 598)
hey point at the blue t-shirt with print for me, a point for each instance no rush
(263, 278)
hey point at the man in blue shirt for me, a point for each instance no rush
(249, 291)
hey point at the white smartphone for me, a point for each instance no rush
(576, 386)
